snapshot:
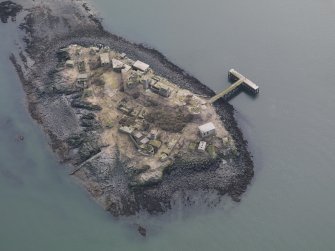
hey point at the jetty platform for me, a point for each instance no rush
(239, 83)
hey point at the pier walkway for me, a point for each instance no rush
(239, 82)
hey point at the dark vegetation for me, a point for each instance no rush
(98, 82)
(169, 119)
(9, 9)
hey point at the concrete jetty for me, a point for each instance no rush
(239, 82)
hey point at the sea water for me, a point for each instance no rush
(286, 47)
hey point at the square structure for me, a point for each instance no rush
(117, 65)
(104, 58)
(202, 146)
(207, 130)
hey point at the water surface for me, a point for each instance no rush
(287, 47)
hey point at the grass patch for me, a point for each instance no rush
(211, 149)
(192, 146)
(109, 124)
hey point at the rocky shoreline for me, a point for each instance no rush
(37, 68)
(8, 10)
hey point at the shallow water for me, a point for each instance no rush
(286, 47)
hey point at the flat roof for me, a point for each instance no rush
(202, 145)
(144, 140)
(207, 127)
(117, 64)
(104, 57)
(161, 85)
(141, 66)
(138, 135)
(126, 129)
(82, 76)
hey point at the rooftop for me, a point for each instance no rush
(104, 57)
(82, 76)
(207, 127)
(202, 146)
(161, 86)
(117, 64)
(126, 129)
(139, 65)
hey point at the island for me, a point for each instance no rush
(138, 132)
(148, 121)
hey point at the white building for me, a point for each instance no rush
(202, 146)
(104, 58)
(69, 63)
(207, 129)
(138, 65)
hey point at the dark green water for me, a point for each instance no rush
(287, 47)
